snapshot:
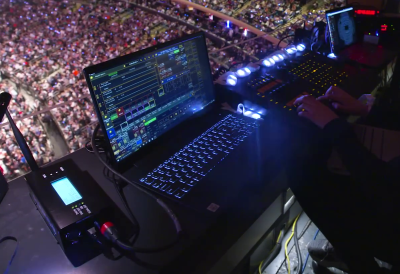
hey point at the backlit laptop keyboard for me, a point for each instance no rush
(180, 173)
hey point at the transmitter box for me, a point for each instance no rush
(70, 202)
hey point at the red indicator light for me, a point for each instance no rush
(384, 27)
(365, 12)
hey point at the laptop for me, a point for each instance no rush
(165, 131)
(343, 40)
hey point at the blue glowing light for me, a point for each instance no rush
(331, 55)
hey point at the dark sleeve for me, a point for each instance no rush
(384, 114)
(364, 166)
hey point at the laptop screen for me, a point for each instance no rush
(149, 94)
(342, 29)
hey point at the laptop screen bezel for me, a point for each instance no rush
(128, 162)
(329, 30)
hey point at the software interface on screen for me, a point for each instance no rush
(66, 190)
(145, 97)
(342, 29)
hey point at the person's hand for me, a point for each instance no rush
(344, 102)
(315, 111)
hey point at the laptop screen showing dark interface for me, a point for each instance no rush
(342, 29)
(148, 95)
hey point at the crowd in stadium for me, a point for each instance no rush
(226, 35)
(219, 28)
(268, 15)
(44, 45)
(229, 7)
(73, 117)
(45, 54)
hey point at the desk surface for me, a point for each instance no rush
(202, 245)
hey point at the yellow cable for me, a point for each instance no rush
(287, 242)
(280, 233)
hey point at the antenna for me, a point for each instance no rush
(5, 99)
(22, 144)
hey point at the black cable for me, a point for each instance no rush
(107, 252)
(296, 243)
(99, 144)
(275, 251)
(314, 37)
(124, 201)
(277, 46)
(138, 187)
(305, 228)
(15, 250)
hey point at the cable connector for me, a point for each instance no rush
(109, 231)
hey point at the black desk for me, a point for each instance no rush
(218, 247)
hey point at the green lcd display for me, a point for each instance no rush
(66, 190)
